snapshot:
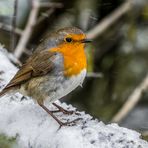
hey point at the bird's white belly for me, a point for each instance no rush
(66, 87)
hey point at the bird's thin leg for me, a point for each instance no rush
(60, 122)
(61, 109)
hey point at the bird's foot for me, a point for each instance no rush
(71, 123)
(64, 111)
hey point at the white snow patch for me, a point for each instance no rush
(33, 127)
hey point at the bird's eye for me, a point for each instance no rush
(68, 39)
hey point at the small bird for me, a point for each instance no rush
(56, 68)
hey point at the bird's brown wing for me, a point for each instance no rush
(40, 63)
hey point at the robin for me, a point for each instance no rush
(56, 68)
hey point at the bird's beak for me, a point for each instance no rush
(86, 41)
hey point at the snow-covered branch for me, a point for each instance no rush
(33, 127)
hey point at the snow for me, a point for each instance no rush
(33, 127)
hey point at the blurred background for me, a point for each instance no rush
(116, 88)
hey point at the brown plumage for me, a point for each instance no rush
(37, 65)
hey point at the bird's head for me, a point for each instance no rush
(70, 42)
(68, 38)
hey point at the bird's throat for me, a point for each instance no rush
(74, 59)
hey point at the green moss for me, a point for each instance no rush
(6, 142)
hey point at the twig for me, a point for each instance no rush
(94, 75)
(132, 100)
(45, 15)
(28, 29)
(9, 28)
(13, 38)
(109, 20)
(28, 52)
(51, 4)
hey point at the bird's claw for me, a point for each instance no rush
(71, 123)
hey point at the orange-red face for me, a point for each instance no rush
(72, 44)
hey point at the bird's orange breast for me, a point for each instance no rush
(74, 58)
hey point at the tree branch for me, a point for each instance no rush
(9, 28)
(28, 29)
(109, 20)
(13, 38)
(132, 100)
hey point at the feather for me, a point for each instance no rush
(40, 63)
